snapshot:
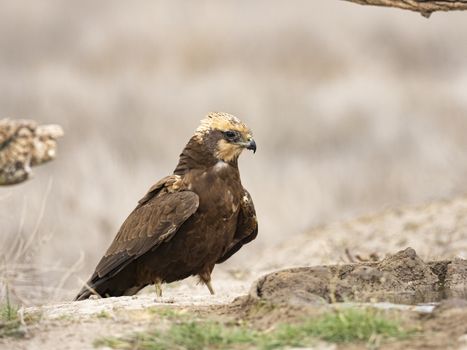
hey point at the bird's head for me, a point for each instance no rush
(225, 136)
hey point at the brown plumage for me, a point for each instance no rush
(187, 222)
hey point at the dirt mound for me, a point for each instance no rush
(400, 278)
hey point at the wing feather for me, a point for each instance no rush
(247, 228)
(154, 221)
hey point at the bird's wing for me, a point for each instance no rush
(247, 228)
(156, 219)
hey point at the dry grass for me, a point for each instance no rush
(22, 278)
(359, 116)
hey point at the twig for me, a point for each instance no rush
(23, 144)
(68, 274)
(25, 246)
(349, 255)
(424, 7)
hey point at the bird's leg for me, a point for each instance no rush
(205, 277)
(158, 285)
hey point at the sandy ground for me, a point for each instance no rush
(75, 325)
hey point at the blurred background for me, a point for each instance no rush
(354, 110)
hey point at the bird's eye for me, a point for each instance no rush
(230, 134)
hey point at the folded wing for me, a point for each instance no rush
(247, 228)
(155, 220)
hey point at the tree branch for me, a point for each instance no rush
(24, 144)
(425, 7)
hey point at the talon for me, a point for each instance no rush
(211, 290)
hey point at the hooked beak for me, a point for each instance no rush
(251, 145)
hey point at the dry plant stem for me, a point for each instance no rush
(20, 247)
(68, 273)
(17, 269)
(425, 7)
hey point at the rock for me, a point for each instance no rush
(455, 283)
(400, 278)
(407, 267)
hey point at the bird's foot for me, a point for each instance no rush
(205, 277)
(158, 285)
(209, 285)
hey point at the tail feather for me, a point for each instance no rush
(105, 289)
(123, 283)
(85, 293)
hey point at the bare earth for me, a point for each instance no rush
(426, 285)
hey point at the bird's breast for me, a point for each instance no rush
(219, 191)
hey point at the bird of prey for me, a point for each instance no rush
(24, 144)
(187, 222)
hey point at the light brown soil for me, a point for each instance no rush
(280, 297)
(292, 293)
